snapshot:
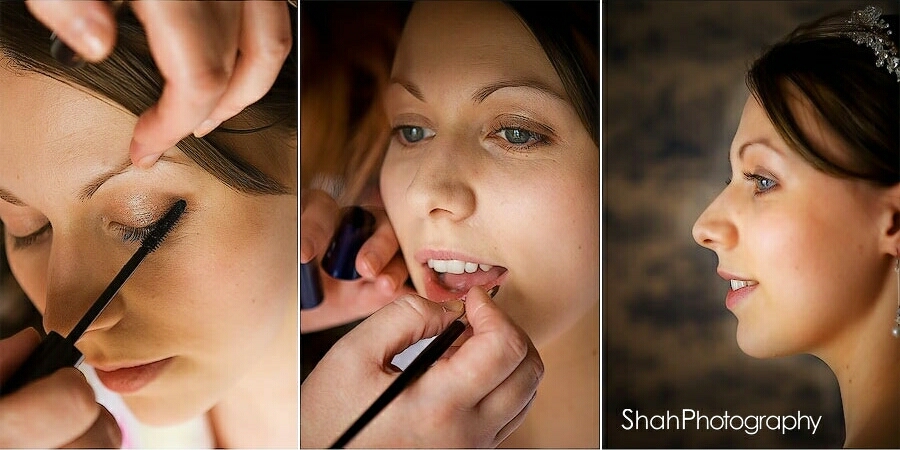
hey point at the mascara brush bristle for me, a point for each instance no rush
(162, 228)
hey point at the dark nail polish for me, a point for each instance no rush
(493, 291)
(310, 286)
(356, 226)
(64, 54)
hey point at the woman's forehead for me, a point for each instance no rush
(458, 40)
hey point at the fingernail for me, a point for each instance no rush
(372, 262)
(204, 128)
(306, 247)
(88, 31)
(454, 305)
(147, 161)
(493, 291)
(356, 226)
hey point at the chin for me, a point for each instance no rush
(756, 344)
(162, 412)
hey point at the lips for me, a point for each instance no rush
(130, 379)
(450, 275)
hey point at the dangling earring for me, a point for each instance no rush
(896, 330)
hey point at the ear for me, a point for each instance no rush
(889, 221)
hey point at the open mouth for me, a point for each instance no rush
(740, 284)
(450, 279)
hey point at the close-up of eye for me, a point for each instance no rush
(761, 183)
(31, 239)
(521, 136)
(413, 134)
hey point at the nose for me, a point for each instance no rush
(76, 275)
(442, 185)
(714, 229)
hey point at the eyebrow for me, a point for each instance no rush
(84, 193)
(482, 93)
(762, 141)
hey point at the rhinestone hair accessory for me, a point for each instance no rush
(872, 31)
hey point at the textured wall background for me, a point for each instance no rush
(673, 90)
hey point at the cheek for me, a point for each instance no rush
(30, 276)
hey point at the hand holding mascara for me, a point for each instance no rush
(56, 351)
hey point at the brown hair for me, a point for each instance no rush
(129, 77)
(856, 98)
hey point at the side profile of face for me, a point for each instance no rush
(203, 307)
(802, 248)
(490, 177)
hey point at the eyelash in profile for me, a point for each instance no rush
(25, 241)
(757, 179)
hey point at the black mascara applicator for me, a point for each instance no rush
(55, 351)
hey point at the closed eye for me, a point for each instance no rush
(21, 242)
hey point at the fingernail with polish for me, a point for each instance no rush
(357, 225)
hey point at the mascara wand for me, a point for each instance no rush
(55, 351)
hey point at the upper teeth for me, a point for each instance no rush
(456, 266)
(738, 284)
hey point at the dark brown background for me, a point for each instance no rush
(673, 92)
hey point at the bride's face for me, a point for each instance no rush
(199, 310)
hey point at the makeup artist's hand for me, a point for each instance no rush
(379, 263)
(216, 58)
(474, 398)
(53, 412)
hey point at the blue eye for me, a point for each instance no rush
(413, 134)
(761, 184)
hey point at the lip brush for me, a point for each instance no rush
(416, 368)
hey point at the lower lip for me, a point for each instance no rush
(733, 298)
(131, 379)
(436, 292)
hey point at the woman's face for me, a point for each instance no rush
(201, 308)
(800, 247)
(489, 165)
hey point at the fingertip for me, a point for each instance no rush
(29, 334)
(386, 284)
(141, 156)
(205, 128)
(370, 264)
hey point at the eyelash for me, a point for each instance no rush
(31, 239)
(128, 234)
(757, 179)
(133, 234)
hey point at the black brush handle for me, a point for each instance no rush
(52, 354)
(432, 352)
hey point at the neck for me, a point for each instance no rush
(566, 410)
(866, 363)
(261, 409)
